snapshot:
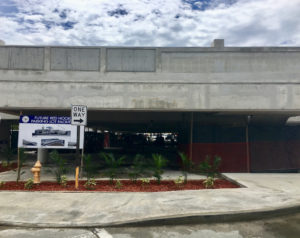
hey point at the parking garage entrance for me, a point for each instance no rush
(262, 142)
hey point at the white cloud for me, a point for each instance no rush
(151, 22)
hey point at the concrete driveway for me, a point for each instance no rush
(264, 193)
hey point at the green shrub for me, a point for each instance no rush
(158, 163)
(2, 184)
(60, 163)
(145, 181)
(118, 184)
(209, 182)
(179, 181)
(4, 164)
(186, 165)
(63, 180)
(29, 184)
(210, 168)
(112, 163)
(90, 184)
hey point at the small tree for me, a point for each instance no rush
(186, 165)
(112, 163)
(159, 162)
(60, 163)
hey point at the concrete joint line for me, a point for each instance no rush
(102, 233)
(173, 83)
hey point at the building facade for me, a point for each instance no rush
(235, 102)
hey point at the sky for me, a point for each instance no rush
(150, 22)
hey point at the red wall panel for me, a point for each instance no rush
(274, 155)
(234, 155)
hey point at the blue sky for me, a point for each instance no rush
(150, 22)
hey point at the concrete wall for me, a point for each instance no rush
(18, 58)
(75, 59)
(130, 60)
(199, 79)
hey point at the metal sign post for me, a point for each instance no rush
(79, 118)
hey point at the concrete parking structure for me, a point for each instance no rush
(230, 101)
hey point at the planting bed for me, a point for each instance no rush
(9, 167)
(127, 186)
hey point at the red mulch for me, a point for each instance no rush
(9, 167)
(127, 186)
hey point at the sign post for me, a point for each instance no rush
(79, 118)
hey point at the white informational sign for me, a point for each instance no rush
(49, 132)
(79, 115)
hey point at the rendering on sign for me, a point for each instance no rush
(48, 132)
(79, 115)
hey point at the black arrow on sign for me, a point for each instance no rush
(80, 120)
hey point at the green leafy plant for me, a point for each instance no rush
(145, 181)
(209, 182)
(137, 167)
(2, 184)
(159, 162)
(210, 168)
(60, 163)
(88, 167)
(22, 158)
(90, 184)
(179, 181)
(112, 163)
(118, 184)
(63, 180)
(186, 165)
(4, 164)
(29, 184)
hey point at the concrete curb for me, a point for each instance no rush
(223, 176)
(172, 220)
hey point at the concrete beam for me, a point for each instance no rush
(179, 79)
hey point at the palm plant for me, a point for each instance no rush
(210, 168)
(88, 167)
(186, 165)
(137, 167)
(159, 162)
(112, 163)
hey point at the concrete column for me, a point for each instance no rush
(102, 60)
(247, 144)
(42, 155)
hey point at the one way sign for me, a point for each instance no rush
(79, 115)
